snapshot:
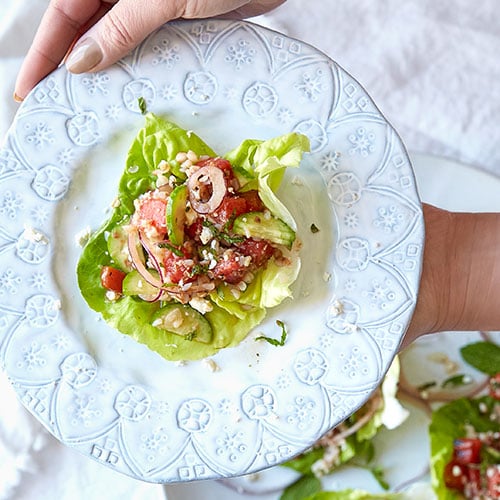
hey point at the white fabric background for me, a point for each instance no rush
(431, 66)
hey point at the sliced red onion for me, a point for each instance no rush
(152, 257)
(133, 240)
(201, 179)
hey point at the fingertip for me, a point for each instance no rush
(84, 56)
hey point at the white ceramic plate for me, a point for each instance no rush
(111, 398)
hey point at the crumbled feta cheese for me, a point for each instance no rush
(201, 305)
(164, 166)
(206, 235)
(83, 236)
(116, 203)
(110, 295)
(336, 308)
(350, 327)
(161, 180)
(211, 365)
(34, 236)
(56, 305)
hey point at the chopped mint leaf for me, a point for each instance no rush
(143, 107)
(276, 342)
(172, 248)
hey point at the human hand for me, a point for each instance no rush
(460, 282)
(93, 34)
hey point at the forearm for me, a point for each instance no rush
(460, 283)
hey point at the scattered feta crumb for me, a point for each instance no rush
(116, 203)
(297, 181)
(201, 305)
(211, 365)
(83, 236)
(206, 235)
(336, 308)
(56, 305)
(327, 277)
(34, 236)
(350, 327)
(110, 295)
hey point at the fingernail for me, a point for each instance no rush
(17, 98)
(84, 56)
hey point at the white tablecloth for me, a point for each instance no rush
(433, 70)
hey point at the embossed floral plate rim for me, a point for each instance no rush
(112, 399)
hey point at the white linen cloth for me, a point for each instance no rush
(433, 70)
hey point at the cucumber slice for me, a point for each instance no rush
(261, 225)
(118, 248)
(176, 214)
(135, 284)
(183, 320)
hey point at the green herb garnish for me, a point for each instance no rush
(314, 228)
(276, 342)
(176, 251)
(223, 235)
(143, 107)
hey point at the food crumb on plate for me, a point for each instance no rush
(336, 308)
(83, 236)
(211, 365)
(32, 235)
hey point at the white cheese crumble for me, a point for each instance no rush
(206, 235)
(56, 305)
(116, 203)
(336, 308)
(211, 365)
(112, 296)
(34, 236)
(83, 236)
(201, 305)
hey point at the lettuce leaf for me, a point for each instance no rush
(450, 422)
(262, 164)
(259, 164)
(309, 488)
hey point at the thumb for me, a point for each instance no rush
(129, 22)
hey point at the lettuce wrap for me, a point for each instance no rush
(257, 164)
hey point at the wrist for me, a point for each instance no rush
(460, 282)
